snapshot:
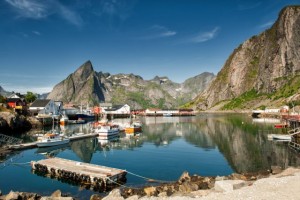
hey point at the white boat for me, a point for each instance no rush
(105, 131)
(167, 114)
(280, 137)
(52, 139)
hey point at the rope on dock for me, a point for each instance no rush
(116, 182)
(123, 186)
(149, 179)
(20, 163)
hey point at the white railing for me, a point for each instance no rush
(9, 140)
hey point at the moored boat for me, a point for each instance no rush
(133, 128)
(106, 131)
(280, 137)
(52, 139)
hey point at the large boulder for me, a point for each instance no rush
(10, 122)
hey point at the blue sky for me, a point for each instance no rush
(43, 41)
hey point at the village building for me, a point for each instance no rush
(152, 111)
(44, 106)
(168, 112)
(17, 102)
(117, 111)
(105, 105)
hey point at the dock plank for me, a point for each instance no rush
(82, 168)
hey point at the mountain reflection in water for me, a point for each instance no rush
(241, 140)
(207, 145)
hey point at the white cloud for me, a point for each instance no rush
(204, 36)
(158, 31)
(36, 33)
(29, 8)
(70, 15)
(248, 6)
(266, 25)
(35, 9)
(115, 8)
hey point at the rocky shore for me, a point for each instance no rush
(13, 122)
(273, 184)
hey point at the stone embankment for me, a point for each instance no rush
(275, 185)
(270, 185)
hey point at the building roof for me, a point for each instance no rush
(13, 99)
(115, 107)
(153, 109)
(105, 104)
(40, 103)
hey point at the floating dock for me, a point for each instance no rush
(98, 177)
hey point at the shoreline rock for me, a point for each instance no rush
(14, 195)
(234, 186)
(13, 122)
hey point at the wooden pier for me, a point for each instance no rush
(30, 145)
(97, 177)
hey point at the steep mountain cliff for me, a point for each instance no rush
(264, 70)
(83, 86)
(87, 86)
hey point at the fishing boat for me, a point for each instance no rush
(106, 131)
(78, 121)
(86, 114)
(52, 139)
(133, 128)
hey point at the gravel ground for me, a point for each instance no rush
(285, 185)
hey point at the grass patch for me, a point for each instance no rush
(290, 88)
(241, 100)
(139, 97)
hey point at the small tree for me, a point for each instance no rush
(2, 99)
(30, 97)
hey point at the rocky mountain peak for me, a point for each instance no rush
(263, 64)
(160, 80)
(85, 70)
(87, 86)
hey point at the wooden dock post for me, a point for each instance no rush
(98, 177)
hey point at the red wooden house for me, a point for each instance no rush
(16, 101)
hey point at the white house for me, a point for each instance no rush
(156, 111)
(44, 106)
(118, 110)
(105, 105)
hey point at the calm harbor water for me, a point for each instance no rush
(207, 145)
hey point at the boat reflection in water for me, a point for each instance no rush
(53, 150)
